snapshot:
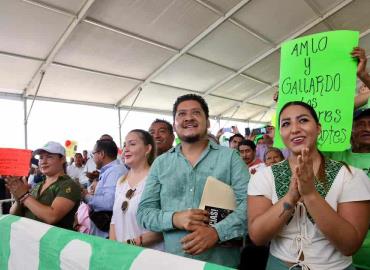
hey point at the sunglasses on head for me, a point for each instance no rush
(129, 194)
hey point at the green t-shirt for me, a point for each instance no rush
(361, 161)
(358, 160)
(64, 187)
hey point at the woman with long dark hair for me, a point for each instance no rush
(315, 211)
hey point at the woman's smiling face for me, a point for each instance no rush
(298, 128)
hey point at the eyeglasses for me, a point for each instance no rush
(129, 194)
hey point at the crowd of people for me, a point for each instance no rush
(298, 207)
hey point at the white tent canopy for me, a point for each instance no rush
(114, 52)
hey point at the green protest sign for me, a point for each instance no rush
(319, 70)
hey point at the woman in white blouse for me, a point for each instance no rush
(139, 151)
(315, 211)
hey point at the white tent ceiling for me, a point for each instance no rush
(105, 51)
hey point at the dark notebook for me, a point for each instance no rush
(216, 214)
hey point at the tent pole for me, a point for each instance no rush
(119, 127)
(25, 123)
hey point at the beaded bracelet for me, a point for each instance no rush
(133, 242)
(24, 197)
(21, 197)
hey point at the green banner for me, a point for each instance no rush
(319, 70)
(120, 256)
(29, 244)
(5, 228)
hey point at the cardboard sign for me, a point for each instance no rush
(319, 70)
(15, 162)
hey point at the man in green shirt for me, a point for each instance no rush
(359, 155)
(175, 186)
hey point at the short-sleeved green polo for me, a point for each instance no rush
(64, 187)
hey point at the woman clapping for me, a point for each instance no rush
(315, 211)
(54, 200)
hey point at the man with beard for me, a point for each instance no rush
(162, 133)
(175, 185)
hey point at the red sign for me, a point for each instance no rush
(14, 162)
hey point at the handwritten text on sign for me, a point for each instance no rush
(319, 70)
(14, 162)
